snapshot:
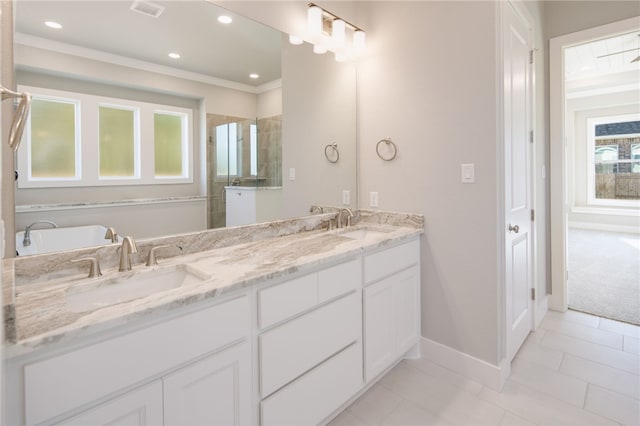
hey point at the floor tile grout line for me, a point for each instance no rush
(578, 338)
(605, 365)
(586, 340)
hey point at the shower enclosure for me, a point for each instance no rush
(242, 154)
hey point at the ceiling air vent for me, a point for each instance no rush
(147, 8)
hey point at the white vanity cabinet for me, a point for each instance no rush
(200, 362)
(310, 345)
(391, 306)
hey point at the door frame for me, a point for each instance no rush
(521, 10)
(557, 151)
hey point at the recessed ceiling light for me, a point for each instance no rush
(52, 24)
(174, 55)
(224, 19)
(254, 75)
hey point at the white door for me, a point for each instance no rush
(517, 125)
(142, 407)
(213, 391)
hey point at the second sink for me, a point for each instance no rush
(124, 288)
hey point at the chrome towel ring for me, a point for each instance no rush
(391, 151)
(332, 153)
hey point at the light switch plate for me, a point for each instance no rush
(373, 199)
(468, 173)
(346, 197)
(292, 173)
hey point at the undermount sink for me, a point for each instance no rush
(133, 285)
(362, 233)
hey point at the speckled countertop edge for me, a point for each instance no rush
(232, 268)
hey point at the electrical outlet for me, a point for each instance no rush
(373, 199)
(292, 173)
(346, 197)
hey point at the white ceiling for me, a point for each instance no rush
(190, 28)
(613, 55)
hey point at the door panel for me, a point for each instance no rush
(517, 150)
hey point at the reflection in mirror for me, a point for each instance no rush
(141, 109)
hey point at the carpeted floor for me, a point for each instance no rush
(604, 274)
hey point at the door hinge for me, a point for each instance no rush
(533, 215)
(531, 56)
(533, 294)
(530, 136)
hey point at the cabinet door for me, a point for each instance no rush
(142, 407)
(406, 300)
(213, 391)
(379, 327)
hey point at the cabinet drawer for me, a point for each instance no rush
(68, 381)
(287, 299)
(339, 280)
(317, 394)
(293, 348)
(386, 262)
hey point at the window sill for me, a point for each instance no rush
(625, 211)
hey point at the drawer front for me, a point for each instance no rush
(386, 262)
(339, 280)
(293, 348)
(287, 299)
(317, 394)
(61, 383)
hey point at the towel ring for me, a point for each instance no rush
(332, 153)
(388, 142)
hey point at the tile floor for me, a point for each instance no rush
(576, 369)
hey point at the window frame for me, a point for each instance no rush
(591, 163)
(87, 139)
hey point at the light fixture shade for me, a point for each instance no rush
(314, 21)
(293, 39)
(319, 49)
(359, 42)
(338, 33)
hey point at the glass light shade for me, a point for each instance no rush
(359, 42)
(319, 49)
(314, 21)
(338, 34)
(295, 40)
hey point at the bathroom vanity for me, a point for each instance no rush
(280, 330)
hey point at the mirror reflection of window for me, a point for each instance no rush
(118, 141)
(227, 150)
(170, 143)
(52, 139)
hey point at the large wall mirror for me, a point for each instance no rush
(158, 118)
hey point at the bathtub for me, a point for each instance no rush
(56, 239)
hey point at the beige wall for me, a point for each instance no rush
(564, 17)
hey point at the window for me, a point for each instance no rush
(253, 149)
(614, 160)
(53, 139)
(118, 140)
(227, 150)
(170, 147)
(76, 139)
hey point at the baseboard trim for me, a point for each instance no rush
(487, 374)
(542, 307)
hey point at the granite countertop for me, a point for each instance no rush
(44, 316)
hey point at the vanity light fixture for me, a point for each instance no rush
(225, 19)
(53, 24)
(327, 31)
(254, 75)
(174, 55)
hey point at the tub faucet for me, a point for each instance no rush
(126, 249)
(349, 216)
(111, 234)
(26, 241)
(316, 209)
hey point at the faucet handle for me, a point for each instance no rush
(94, 268)
(152, 259)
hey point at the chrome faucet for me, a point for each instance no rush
(316, 209)
(127, 248)
(111, 234)
(350, 215)
(26, 241)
